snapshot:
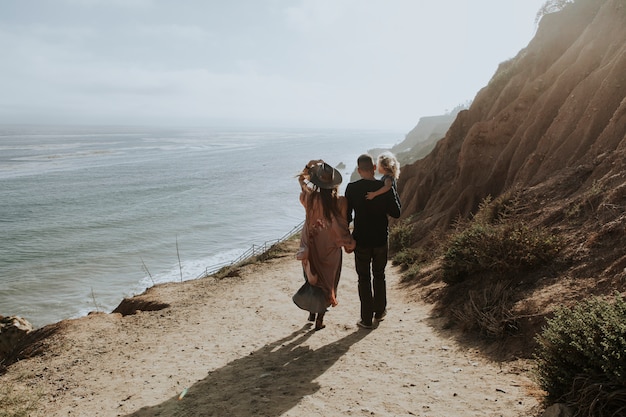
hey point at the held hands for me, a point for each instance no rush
(349, 248)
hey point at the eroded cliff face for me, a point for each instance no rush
(550, 130)
(551, 122)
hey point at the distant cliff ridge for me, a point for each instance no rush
(421, 140)
(429, 129)
(550, 124)
(418, 142)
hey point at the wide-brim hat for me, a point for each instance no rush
(324, 176)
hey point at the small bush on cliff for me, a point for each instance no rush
(500, 209)
(401, 235)
(410, 260)
(484, 259)
(587, 203)
(551, 6)
(498, 249)
(407, 257)
(581, 357)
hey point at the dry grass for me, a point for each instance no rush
(18, 401)
(594, 399)
(487, 311)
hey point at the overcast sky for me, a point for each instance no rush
(379, 64)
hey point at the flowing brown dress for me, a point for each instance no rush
(320, 251)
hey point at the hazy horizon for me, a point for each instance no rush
(275, 63)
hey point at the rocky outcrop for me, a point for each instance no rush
(13, 330)
(18, 340)
(147, 301)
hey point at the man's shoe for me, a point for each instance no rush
(380, 316)
(362, 325)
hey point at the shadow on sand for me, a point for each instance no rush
(268, 382)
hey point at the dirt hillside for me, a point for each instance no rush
(549, 129)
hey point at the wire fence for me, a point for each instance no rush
(254, 250)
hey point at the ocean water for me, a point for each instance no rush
(89, 215)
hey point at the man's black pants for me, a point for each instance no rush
(372, 285)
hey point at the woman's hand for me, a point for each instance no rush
(305, 172)
(314, 162)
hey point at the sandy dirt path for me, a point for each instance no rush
(240, 347)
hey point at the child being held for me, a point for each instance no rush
(389, 167)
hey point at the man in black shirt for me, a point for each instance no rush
(371, 233)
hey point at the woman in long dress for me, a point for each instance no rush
(324, 233)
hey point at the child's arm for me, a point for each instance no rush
(382, 190)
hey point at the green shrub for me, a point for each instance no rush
(496, 249)
(401, 235)
(498, 210)
(407, 257)
(581, 357)
(412, 271)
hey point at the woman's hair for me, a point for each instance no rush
(330, 202)
(390, 164)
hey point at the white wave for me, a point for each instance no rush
(191, 269)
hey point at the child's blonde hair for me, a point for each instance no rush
(390, 164)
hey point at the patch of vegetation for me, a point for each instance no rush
(498, 210)
(485, 260)
(407, 257)
(551, 6)
(410, 261)
(487, 311)
(499, 250)
(412, 270)
(581, 357)
(257, 254)
(275, 251)
(588, 203)
(227, 272)
(401, 235)
(18, 403)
